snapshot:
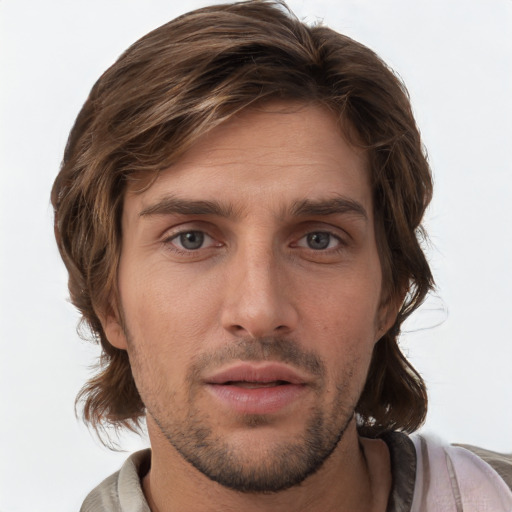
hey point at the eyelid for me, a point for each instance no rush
(171, 234)
(314, 226)
(341, 243)
(332, 235)
(178, 235)
(185, 227)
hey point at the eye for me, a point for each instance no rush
(319, 241)
(191, 240)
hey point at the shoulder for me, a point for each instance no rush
(500, 462)
(103, 497)
(121, 491)
(448, 475)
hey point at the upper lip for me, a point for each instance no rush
(263, 372)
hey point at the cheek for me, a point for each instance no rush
(161, 296)
(168, 320)
(342, 324)
(344, 309)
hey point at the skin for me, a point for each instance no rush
(284, 270)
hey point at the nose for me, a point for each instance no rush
(258, 296)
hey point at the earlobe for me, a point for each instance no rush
(387, 316)
(114, 331)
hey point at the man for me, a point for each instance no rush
(239, 208)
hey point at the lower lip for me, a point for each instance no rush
(265, 400)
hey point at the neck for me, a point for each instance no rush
(355, 477)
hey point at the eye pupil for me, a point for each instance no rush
(318, 240)
(192, 240)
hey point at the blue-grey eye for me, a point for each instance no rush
(318, 240)
(191, 240)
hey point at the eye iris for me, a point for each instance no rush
(192, 239)
(319, 240)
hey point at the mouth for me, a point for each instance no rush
(257, 389)
(262, 375)
(256, 385)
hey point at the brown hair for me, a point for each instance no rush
(180, 81)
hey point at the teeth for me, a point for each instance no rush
(254, 385)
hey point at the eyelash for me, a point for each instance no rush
(170, 243)
(333, 237)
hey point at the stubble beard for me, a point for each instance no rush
(280, 465)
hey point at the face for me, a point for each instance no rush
(250, 290)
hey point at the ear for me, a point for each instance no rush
(113, 329)
(388, 312)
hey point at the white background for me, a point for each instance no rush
(456, 59)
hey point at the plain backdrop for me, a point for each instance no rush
(456, 59)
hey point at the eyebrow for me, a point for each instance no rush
(335, 206)
(170, 205)
(173, 205)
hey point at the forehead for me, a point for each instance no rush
(272, 155)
